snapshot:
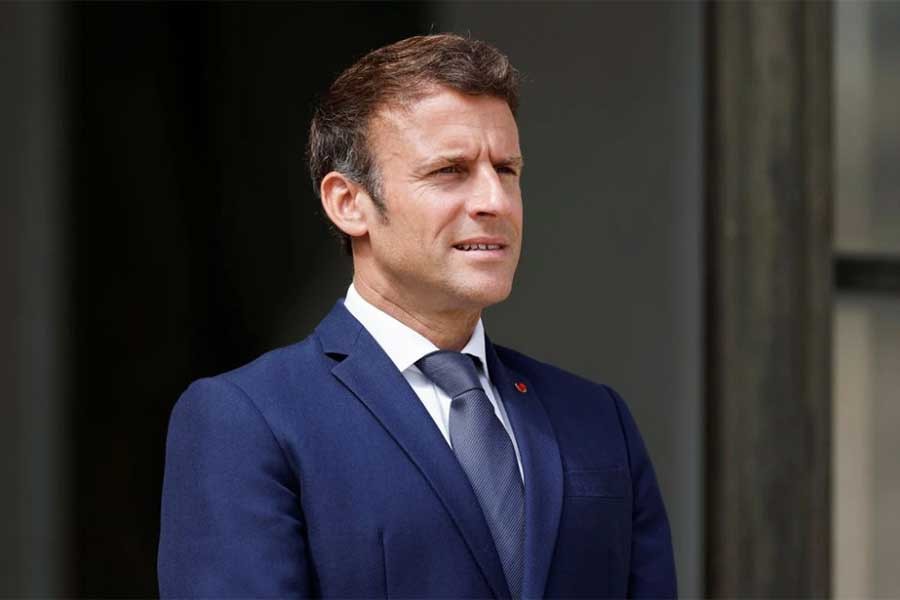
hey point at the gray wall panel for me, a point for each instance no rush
(610, 280)
(33, 480)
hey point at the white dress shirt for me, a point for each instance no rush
(404, 347)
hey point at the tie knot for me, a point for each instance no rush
(453, 372)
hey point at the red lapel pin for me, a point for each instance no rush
(521, 387)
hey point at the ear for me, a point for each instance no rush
(343, 201)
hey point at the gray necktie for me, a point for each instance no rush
(487, 456)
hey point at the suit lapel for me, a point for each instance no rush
(374, 379)
(542, 466)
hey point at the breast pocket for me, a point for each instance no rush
(595, 533)
(611, 482)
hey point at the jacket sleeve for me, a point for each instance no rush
(652, 572)
(231, 522)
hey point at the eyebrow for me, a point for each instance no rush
(456, 159)
(512, 161)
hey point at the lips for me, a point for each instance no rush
(481, 244)
(477, 247)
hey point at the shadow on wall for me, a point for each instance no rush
(197, 240)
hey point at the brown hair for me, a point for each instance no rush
(396, 75)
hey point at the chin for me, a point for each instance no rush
(482, 296)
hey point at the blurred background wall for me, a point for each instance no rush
(184, 238)
(158, 225)
(610, 280)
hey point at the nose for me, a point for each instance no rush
(489, 196)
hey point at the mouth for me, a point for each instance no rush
(478, 247)
(481, 244)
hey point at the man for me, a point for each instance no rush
(397, 451)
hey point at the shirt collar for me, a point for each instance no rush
(403, 345)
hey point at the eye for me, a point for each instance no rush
(506, 170)
(448, 170)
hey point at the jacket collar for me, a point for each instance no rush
(370, 375)
(541, 464)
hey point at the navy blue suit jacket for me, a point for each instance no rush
(316, 471)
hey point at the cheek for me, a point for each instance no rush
(408, 239)
(436, 226)
(427, 222)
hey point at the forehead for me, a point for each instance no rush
(445, 121)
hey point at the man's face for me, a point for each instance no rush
(450, 166)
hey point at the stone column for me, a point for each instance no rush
(769, 265)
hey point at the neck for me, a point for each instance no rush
(447, 330)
